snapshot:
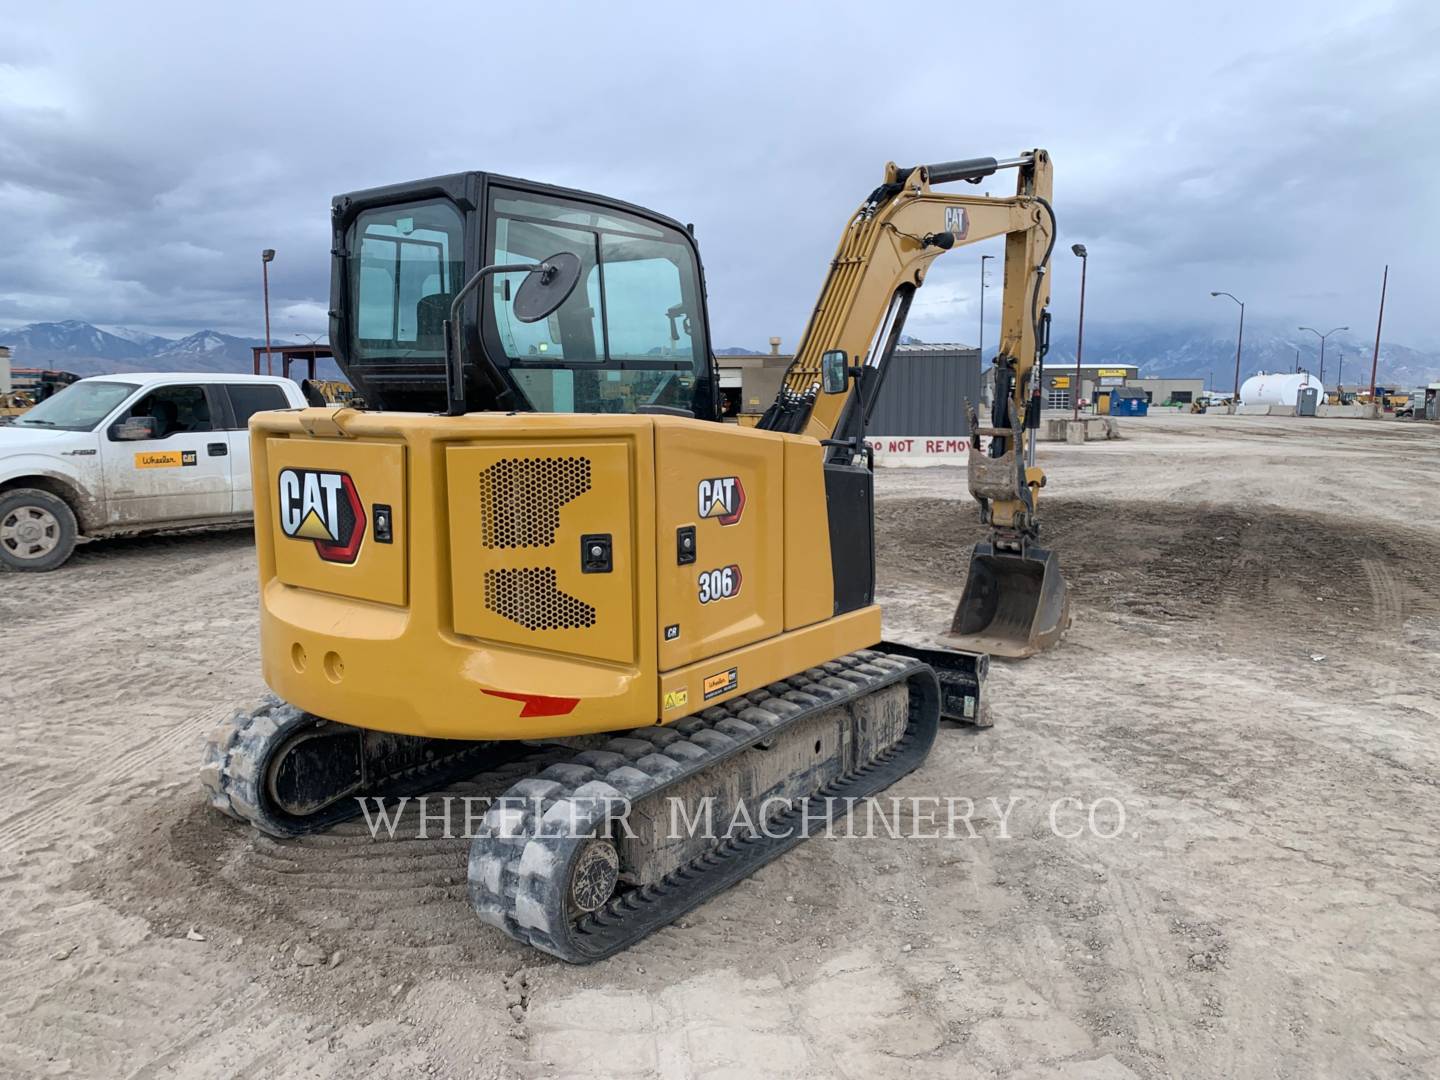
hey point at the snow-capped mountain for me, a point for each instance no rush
(206, 350)
(1202, 352)
(142, 338)
(64, 344)
(89, 350)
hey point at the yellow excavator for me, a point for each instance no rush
(538, 551)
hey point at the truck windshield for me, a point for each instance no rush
(408, 267)
(79, 407)
(624, 337)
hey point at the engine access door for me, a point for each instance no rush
(722, 487)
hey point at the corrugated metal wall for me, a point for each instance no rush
(925, 391)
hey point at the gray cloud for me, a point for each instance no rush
(1279, 151)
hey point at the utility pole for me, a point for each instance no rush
(266, 257)
(1239, 338)
(1322, 338)
(1375, 359)
(1079, 249)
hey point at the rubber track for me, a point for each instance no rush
(237, 753)
(521, 863)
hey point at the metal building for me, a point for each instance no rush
(750, 381)
(925, 391)
(1160, 390)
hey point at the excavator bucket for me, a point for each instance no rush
(1014, 604)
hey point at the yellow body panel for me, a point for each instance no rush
(809, 583)
(379, 572)
(523, 554)
(720, 677)
(730, 487)
(446, 657)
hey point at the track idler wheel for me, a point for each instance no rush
(594, 877)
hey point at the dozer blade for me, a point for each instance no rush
(1013, 605)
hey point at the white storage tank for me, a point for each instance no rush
(1278, 388)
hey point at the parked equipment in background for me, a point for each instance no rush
(327, 391)
(29, 387)
(590, 552)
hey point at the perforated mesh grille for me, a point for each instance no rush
(531, 598)
(520, 499)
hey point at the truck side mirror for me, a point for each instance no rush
(135, 429)
(835, 371)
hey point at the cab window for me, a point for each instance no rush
(246, 401)
(405, 266)
(575, 331)
(177, 410)
(628, 336)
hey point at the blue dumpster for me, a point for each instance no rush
(1129, 406)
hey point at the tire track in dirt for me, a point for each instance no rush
(128, 760)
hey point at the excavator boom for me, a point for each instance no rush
(1014, 601)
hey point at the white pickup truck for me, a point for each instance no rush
(129, 453)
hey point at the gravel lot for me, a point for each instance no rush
(1247, 697)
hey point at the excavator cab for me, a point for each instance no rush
(630, 337)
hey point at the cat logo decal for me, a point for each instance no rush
(322, 507)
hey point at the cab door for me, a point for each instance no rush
(183, 473)
(245, 400)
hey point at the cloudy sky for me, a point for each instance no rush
(1280, 151)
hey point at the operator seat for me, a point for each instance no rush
(430, 315)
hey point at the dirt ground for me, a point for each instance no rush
(1251, 675)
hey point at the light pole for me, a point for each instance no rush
(1079, 249)
(266, 257)
(982, 306)
(1379, 321)
(1239, 338)
(1322, 338)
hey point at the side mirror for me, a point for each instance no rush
(835, 371)
(136, 429)
(546, 287)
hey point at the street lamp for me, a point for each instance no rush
(266, 257)
(1079, 249)
(1322, 338)
(1240, 337)
(982, 306)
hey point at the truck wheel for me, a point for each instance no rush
(37, 530)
